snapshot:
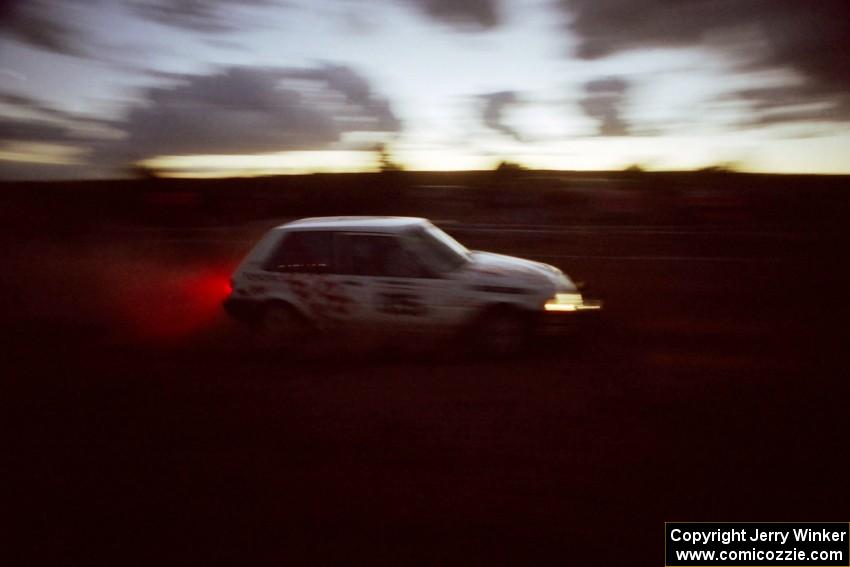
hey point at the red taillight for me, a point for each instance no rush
(176, 303)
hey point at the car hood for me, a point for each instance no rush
(513, 270)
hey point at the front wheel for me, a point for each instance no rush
(503, 332)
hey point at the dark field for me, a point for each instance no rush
(141, 427)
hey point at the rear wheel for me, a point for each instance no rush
(281, 326)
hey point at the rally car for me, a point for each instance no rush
(395, 275)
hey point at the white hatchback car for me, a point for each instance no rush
(396, 275)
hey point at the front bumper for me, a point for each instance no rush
(569, 318)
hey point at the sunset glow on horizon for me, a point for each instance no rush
(92, 89)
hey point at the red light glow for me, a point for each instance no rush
(168, 305)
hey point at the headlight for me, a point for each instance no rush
(564, 302)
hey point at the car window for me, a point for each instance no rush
(377, 255)
(308, 252)
(437, 249)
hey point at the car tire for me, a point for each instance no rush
(503, 332)
(280, 326)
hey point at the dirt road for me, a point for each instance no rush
(141, 429)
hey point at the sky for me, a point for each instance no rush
(101, 88)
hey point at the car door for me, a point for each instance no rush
(303, 273)
(397, 291)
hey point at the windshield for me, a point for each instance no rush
(438, 249)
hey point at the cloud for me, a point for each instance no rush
(12, 129)
(236, 110)
(24, 119)
(34, 107)
(492, 115)
(809, 37)
(205, 16)
(41, 142)
(219, 16)
(40, 24)
(476, 14)
(603, 100)
(245, 110)
(48, 24)
(777, 105)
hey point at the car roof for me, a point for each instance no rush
(355, 223)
